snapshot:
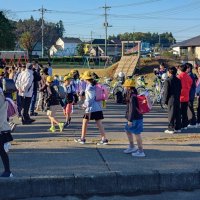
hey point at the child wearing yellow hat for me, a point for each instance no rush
(134, 118)
(70, 91)
(52, 102)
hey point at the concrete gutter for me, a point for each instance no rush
(100, 183)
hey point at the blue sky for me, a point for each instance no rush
(81, 17)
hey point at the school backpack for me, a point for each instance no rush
(8, 85)
(60, 91)
(101, 92)
(12, 108)
(119, 97)
(144, 103)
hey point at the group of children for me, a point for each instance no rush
(85, 90)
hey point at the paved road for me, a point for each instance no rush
(180, 195)
(36, 152)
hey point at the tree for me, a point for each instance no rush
(166, 39)
(80, 49)
(26, 42)
(52, 31)
(7, 35)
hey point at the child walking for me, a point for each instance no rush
(70, 91)
(134, 125)
(93, 110)
(53, 101)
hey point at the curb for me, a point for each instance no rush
(100, 183)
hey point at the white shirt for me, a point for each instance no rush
(24, 83)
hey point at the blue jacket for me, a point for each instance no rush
(193, 87)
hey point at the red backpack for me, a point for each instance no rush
(144, 103)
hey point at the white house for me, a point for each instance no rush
(188, 47)
(65, 47)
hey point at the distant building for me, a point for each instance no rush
(96, 47)
(37, 50)
(65, 47)
(188, 47)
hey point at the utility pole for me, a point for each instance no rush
(106, 25)
(42, 10)
(91, 36)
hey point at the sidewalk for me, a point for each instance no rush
(50, 164)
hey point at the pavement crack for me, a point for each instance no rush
(103, 159)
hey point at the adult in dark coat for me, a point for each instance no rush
(36, 79)
(172, 92)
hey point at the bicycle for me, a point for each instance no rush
(141, 89)
(159, 91)
(113, 89)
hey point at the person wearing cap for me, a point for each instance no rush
(70, 91)
(93, 110)
(53, 102)
(24, 85)
(134, 119)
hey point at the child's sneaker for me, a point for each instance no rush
(103, 142)
(130, 150)
(80, 140)
(6, 175)
(66, 124)
(61, 126)
(52, 129)
(138, 154)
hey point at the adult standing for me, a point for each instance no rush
(171, 97)
(192, 121)
(198, 97)
(16, 79)
(186, 83)
(24, 85)
(42, 89)
(36, 79)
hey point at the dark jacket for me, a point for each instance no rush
(52, 97)
(193, 87)
(132, 109)
(36, 79)
(172, 91)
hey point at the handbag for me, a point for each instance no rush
(5, 136)
(8, 85)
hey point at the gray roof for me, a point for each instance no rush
(71, 40)
(195, 41)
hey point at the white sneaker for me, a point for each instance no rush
(7, 146)
(169, 132)
(130, 150)
(192, 126)
(138, 154)
(177, 131)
